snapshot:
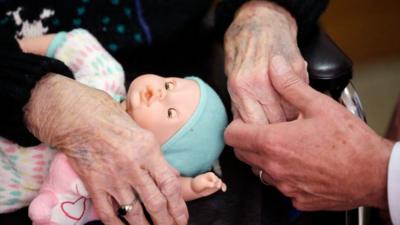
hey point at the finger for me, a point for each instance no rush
(247, 157)
(249, 137)
(290, 111)
(103, 205)
(256, 66)
(153, 200)
(249, 109)
(308, 202)
(218, 183)
(263, 92)
(174, 170)
(235, 112)
(290, 86)
(224, 187)
(240, 157)
(265, 178)
(125, 196)
(170, 188)
(136, 215)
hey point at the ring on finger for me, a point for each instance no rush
(124, 209)
(260, 175)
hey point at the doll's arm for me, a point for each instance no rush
(90, 63)
(200, 186)
(36, 45)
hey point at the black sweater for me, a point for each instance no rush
(129, 29)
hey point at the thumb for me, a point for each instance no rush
(290, 86)
(244, 136)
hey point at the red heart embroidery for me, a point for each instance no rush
(70, 208)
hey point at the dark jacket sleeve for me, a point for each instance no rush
(306, 14)
(19, 73)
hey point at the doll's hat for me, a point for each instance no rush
(195, 146)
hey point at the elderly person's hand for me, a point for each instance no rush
(260, 30)
(113, 156)
(326, 159)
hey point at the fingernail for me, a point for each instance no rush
(279, 65)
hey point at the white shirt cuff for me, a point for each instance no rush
(394, 184)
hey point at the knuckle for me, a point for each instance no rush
(289, 82)
(275, 171)
(105, 217)
(297, 205)
(235, 83)
(239, 156)
(267, 141)
(170, 186)
(286, 189)
(264, 140)
(299, 66)
(300, 203)
(156, 204)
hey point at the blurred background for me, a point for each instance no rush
(369, 32)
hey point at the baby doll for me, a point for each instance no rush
(182, 113)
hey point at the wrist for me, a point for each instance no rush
(267, 11)
(36, 45)
(379, 195)
(49, 100)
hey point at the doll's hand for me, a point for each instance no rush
(207, 183)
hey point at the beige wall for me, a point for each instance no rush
(366, 29)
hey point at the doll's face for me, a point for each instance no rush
(162, 105)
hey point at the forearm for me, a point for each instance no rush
(53, 113)
(67, 114)
(50, 99)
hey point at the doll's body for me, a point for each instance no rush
(64, 200)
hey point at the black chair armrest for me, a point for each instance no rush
(330, 70)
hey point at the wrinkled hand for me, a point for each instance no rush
(259, 31)
(111, 154)
(207, 183)
(326, 160)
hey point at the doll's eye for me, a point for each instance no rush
(172, 113)
(169, 85)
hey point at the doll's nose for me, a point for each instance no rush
(151, 95)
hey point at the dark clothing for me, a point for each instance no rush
(124, 25)
(19, 73)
